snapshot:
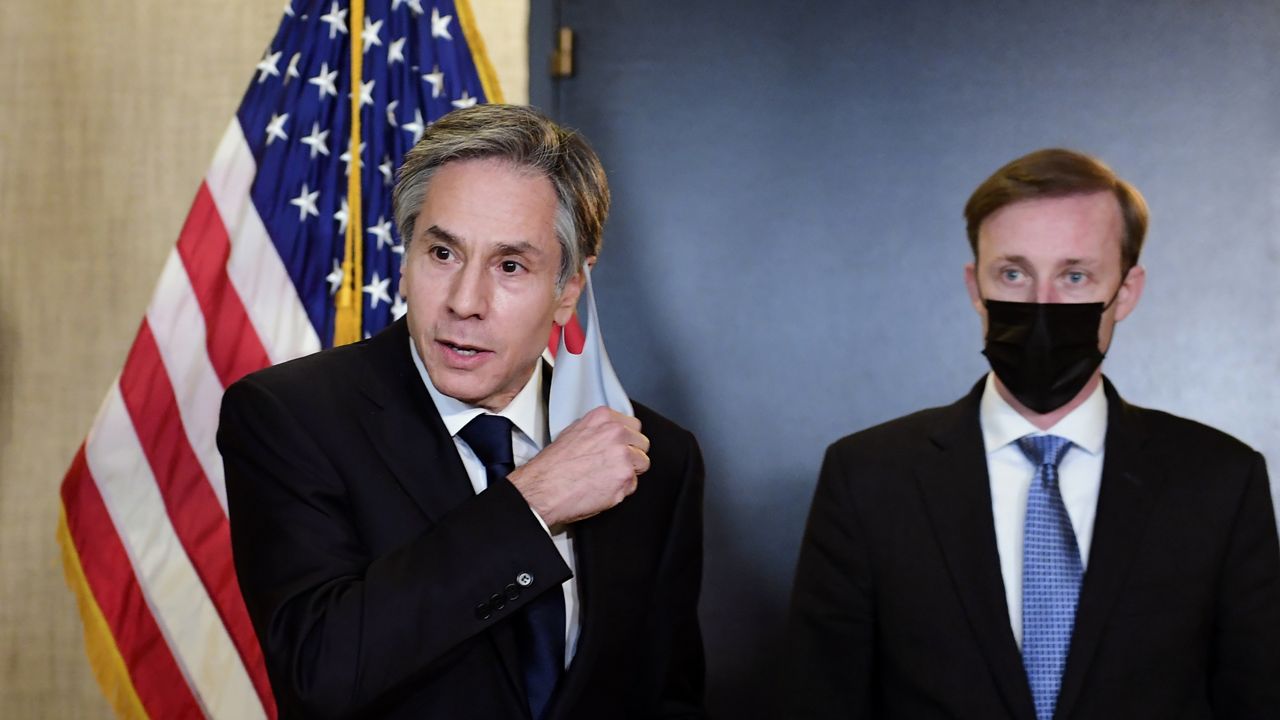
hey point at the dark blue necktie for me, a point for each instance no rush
(540, 624)
(1051, 575)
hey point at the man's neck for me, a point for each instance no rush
(1044, 421)
(526, 407)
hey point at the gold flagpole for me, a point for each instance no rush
(346, 326)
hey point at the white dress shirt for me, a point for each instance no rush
(527, 412)
(1010, 474)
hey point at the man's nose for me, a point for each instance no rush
(1046, 292)
(469, 292)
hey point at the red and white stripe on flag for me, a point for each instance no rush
(144, 530)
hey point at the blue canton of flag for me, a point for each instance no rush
(296, 120)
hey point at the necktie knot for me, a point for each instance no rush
(1044, 450)
(490, 439)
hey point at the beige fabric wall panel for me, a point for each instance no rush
(109, 115)
(504, 25)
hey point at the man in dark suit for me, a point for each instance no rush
(1041, 548)
(408, 540)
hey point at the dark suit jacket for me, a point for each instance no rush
(367, 561)
(899, 606)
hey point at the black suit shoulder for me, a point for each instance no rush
(675, 440)
(311, 382)
(652, 420)
(324, 363)
(880, 460)
(892, 435)
(1185, 436)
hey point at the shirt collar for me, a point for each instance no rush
(1085, 427)
(526, 410)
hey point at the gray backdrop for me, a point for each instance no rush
(783, 262)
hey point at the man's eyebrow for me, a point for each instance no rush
(444, 236)
(1087, 262)
(521, 247)
(1065, 262)
(1018, 259)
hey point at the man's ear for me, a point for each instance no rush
(971, 284)
(568, 300)
(1130, 291)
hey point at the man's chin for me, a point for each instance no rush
(462, 389)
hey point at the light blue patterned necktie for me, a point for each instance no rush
(1051, 574)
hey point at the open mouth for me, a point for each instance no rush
(463, 350)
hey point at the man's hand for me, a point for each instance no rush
(591, 467)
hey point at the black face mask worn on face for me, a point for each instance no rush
(1044, 353)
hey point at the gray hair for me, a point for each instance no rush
(529, 140)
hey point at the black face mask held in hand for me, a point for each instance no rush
(1044, 353)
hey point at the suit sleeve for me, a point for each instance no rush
(830, 635)
(1246, 654)
(343, 629)
(676, 651)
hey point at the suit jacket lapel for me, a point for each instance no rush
(1130, 482)
(405, 428)
(952, 476)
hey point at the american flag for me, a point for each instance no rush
(252, 281)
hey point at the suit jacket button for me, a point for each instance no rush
(524, 579)
(497, 601)
(513, 592)
(483, 612)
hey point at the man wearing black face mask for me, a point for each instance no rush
(1041, 548)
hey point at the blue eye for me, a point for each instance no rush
(1075, 277)
(1011, 274)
